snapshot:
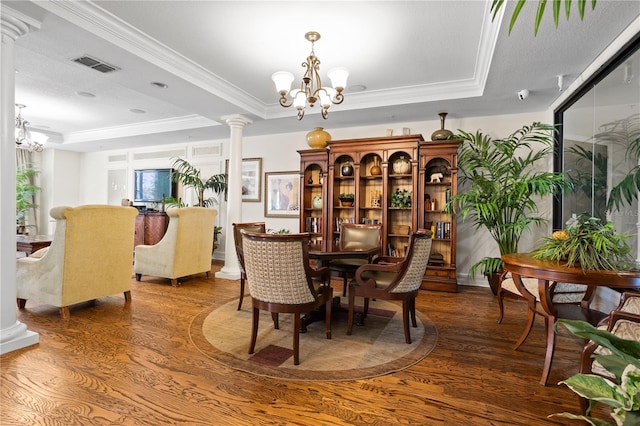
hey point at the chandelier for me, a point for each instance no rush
(311, 89)
(24, 138)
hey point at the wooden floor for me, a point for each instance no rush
(110, 365)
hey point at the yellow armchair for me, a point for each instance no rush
(90, 257)
(185, 249)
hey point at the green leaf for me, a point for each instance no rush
(598, 389)
(516, 12)
(556, 11)
(541, 5)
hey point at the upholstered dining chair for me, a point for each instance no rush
(355, 236)
(90, 257)
(184, 250)
(622, 324)
(562, 293)
(281, 280)
(256, 227)
(390, 279)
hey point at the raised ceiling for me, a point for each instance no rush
(407, 61)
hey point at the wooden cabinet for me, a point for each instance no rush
(373, 170)
(364, 168)
(150, 228)
(313, 169)
(438, 178)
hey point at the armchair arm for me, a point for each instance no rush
(392, 268)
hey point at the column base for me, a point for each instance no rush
(17, 337)
(228, 273)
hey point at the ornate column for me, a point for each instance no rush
(13, 334)
(231, 269)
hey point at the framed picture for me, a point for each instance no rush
(251, 179)
(282, 194)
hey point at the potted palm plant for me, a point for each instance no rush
(189, 176)
(501, 181)
(25, 193)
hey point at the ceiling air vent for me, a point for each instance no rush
(96, 64)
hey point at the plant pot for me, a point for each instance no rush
(346, 203)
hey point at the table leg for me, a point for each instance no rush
(549, 322)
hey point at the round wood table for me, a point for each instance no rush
(547, 273)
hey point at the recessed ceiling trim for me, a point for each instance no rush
(148, 127)
(103, 24)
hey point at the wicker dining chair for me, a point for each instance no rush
(281, 280)
(258, 227)
(390, 279)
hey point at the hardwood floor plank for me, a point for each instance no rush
(112, 364)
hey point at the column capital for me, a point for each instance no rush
(16, 24)
(236, 120)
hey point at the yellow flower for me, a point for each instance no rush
(560, 236)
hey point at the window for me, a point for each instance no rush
(599, 146)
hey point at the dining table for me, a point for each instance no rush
(323, 258)
(547, 273)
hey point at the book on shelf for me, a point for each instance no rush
(314, 224)
(341, 220)
(441, 230)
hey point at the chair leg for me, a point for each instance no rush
(21, 303)
(254, 330)
(412, 311)
(64, 312)
(405, 321)
(207, 274)
(127, 296)
(296, 338)
(366, 307)
(241, 293)
(344, 285)
(327, 316)
(276, 322)
(138, 277)
(174, 282)
(352, 307)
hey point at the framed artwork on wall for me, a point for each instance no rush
(282, 194)
(251, 179)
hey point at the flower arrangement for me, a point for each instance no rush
(401, 198)
(589, 242)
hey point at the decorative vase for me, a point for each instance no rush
(443, 133)
(375, 169)
(318, 138)
(401, 166)
(347, 169)
(316, 203)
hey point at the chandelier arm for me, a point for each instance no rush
(337, 100)
(283, 101)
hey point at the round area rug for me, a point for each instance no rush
(374, 349)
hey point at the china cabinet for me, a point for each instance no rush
(439, 181)
(389, 178)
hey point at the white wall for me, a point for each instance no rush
(82, 178)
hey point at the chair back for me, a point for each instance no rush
(277, 268)
(253, 227)
(354, 236)
(416, 261)
(191, 230)
(90, 256)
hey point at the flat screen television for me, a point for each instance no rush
(153, 185)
